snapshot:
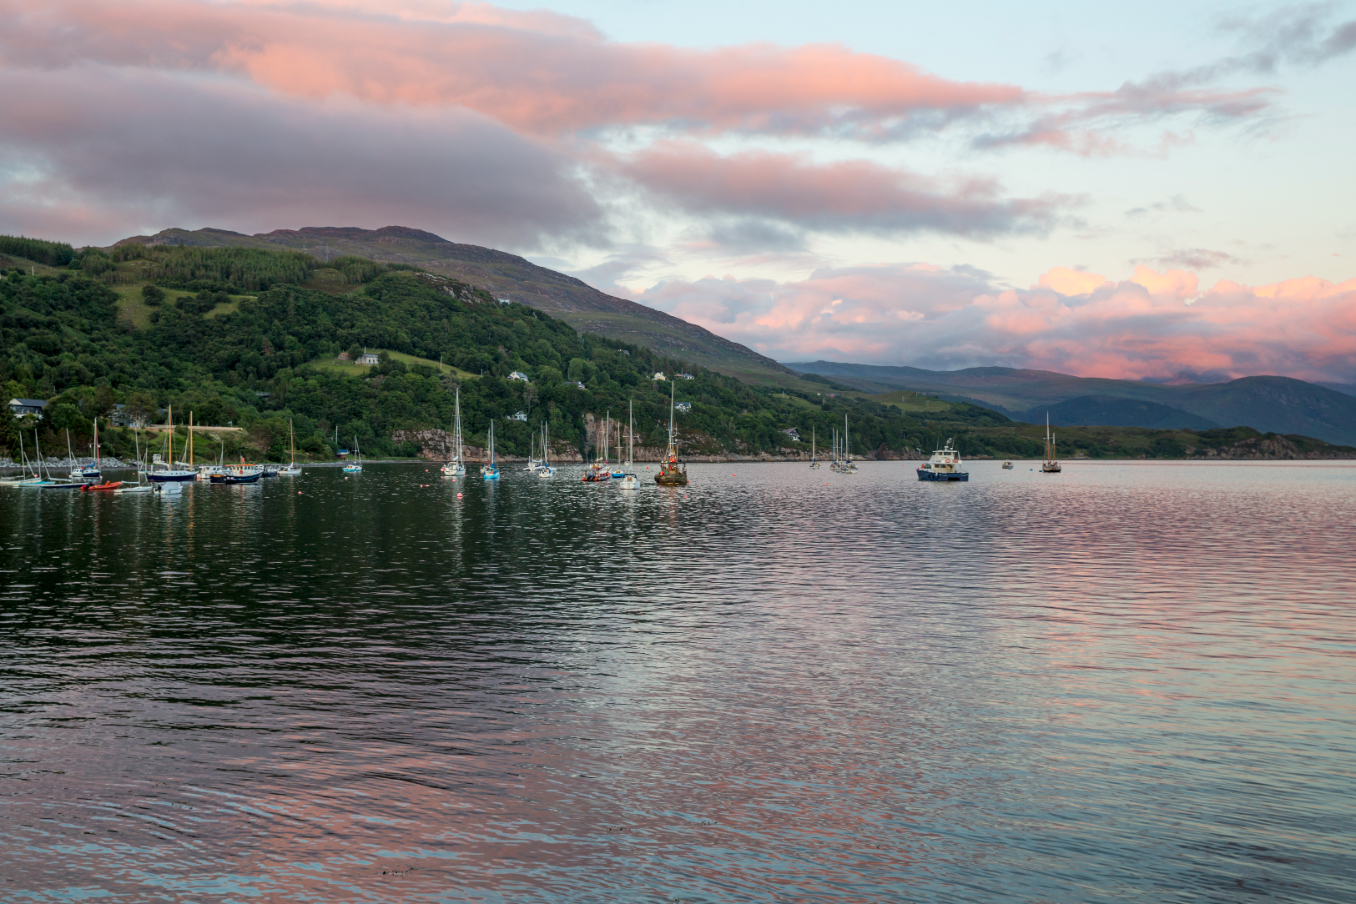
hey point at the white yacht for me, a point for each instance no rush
(945, 464)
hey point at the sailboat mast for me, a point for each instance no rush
(671, 397)
(631, 432)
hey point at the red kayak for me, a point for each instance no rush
(110, 485)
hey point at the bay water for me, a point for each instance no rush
(1128, 682)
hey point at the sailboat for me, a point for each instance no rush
(814, 463)
(456, 467)
(532, 461)
(673, 473)
(25, 480)
(291, 470)
(142, 486)
(39, 481)
(491, 470)
(598, 471)
(356, 466)
(618, 473)
(546, 471)
(163, 472)
(107, 484)
(88, 472)
(1050, 465)
(630, 480)
(848, 466)
(72, 482)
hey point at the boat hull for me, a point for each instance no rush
(943, 476)
(236, 478)
(173, 477)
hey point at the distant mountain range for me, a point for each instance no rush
(1269, 404)
(507, 276)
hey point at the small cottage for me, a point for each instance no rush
(22, 407)
(659, 377)
(519, 375)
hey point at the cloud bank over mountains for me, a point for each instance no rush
(1152, 325)
(532, 130)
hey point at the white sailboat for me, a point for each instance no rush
(545, 472)
(630, 480)
(141, 486)
(356, 466)
(456, 467)
(491, 470)
(847, 467)
(814, 462)
(25, 479)
(291, 470)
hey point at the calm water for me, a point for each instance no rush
(1131, 682)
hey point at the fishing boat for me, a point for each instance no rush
(814, 462)
(491, 470)
(672, 473)
(163, 471)
(240, 474)
(291, 470)
(545, 472)
(1050, 464)
(1007, 466)
(945, 464)
(356, 466)
(629, 479)
(456, 467)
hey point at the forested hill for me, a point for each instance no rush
(253, 338)
(505, 276)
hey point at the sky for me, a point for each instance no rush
(1154, 191)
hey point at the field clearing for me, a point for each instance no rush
(353, 369)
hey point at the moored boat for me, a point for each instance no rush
(163, 471)
(1050, 464)
(455, 467)
(356, 466)
(628, 479)
(490, 471)
(945, 464)
(672, 473)
(1007, 466)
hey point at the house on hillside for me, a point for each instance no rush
(370, 359)
(685, 376)
(22, 407)
(683, 406)
(576, 383)
(793, 433)
(659, 377)
(519, 375)
(517, 416)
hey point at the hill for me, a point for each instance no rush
(509, 276)
(252, 337)
(1268, 404)
(1114, 412)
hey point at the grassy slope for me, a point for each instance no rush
(506, 275)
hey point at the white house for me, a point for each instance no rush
(370, 359)
(793, 433)
(517, 416)
(683, 406)
(659, 377)
(519, 375)
(686, 377)
(21, 407)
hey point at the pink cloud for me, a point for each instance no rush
(538, 72)
(1151, 325)
(847, 195)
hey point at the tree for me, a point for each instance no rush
(152, 295)
(141, 408)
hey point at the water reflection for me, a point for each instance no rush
(1121, 684)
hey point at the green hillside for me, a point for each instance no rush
(252, 337)
(509, 276)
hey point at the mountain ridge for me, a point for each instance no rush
(1268, 403)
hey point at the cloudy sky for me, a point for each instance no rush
(1159, 190)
